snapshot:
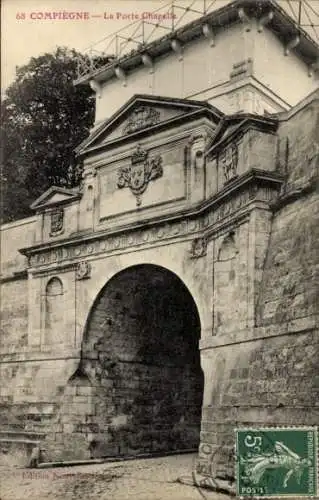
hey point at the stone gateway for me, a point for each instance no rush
(173, 295)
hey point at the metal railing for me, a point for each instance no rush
(133, 37)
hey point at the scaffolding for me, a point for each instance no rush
(167, 19)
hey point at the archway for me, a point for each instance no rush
(140, 350)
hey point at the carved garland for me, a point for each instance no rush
(152, 235)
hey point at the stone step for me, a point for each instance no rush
(16, 446)
(16, 441)
(9, 435)
(16, 449)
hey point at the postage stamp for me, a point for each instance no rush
(277, 462)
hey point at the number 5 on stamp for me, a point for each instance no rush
(277, 462)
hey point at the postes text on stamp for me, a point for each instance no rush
(277, 462)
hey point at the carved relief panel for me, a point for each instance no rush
(228, 162)
(197, 146)
(196, 164)
(145, 178)
(143, 116)
(56, 221)
(199, 248)
(83, 270)
(141, 171)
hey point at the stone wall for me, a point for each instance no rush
(137, 386)
(31, 375)
(270, 375)
(290, 280)
(31, 386)
(14, 313)
(14, 285)
(271, 381)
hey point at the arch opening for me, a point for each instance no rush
(141, 350)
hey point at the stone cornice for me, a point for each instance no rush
(18, 223)
(17, 276)
(149, 131)
(255, 185)
(292, 195)
(165, 140)
(63, 268)
(307, 101)
(244, 123)
(185, 105)
(248, 82)
(31, 354)
(296, 326)
(44, 202)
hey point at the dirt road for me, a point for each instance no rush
(148, 479)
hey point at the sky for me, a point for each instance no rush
(23, 37)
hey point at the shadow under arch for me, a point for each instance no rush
(140, 347)
(116, 274)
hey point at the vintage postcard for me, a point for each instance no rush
(159, 247)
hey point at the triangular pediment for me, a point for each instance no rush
(235, 125)
(144, 113)
(55, 196)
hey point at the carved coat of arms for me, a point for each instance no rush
(141, 171)
(229, 161)
(57, 220)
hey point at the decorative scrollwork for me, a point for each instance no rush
(141, 171)
(199, 248)
(229, 161)
(83, 270)
(142, 117)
